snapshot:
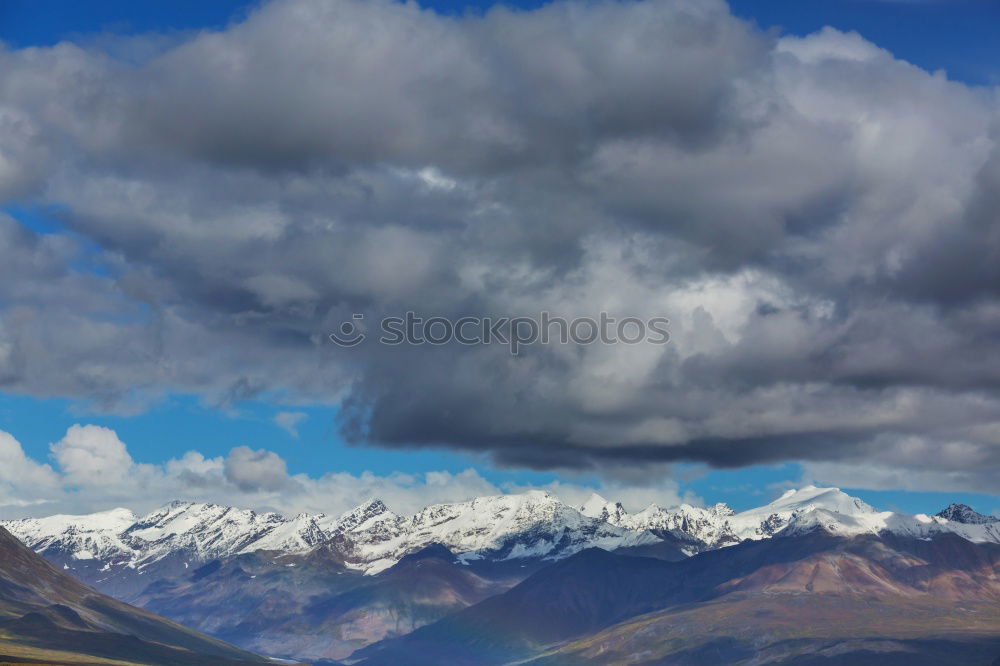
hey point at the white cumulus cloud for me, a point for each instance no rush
(95, 472)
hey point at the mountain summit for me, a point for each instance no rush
(962, 513)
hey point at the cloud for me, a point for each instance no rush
(16, 469)
(92, 455)
(290, 421)
(95, 472)
(914, 463)
(256, 470)
(815, 217)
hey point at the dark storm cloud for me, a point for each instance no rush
(816, 219)
(959, 264)
(368, 83)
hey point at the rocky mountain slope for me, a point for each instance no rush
(49, 616)
(863, 599)
(860, 600)
(310, 606)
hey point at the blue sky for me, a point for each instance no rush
(957, 36)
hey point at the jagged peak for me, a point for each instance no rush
(373, 504)
(963, 513)
(370, 507)
(722, 509)
(179, 509)
(185, 505)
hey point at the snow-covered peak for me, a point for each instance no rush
(178, 519)
(370, 507)
(706, 528)
(838, 524)
(366, 516)
(722, 509)
(804, 510)
(495, 514)
(365, 510)
(594, 505)
(91, 536)
(534, 523)
(291, 536)
(962, 513)
(887, 522)
(795, 505)
(811, 497)
(600, 508)
(201, 530)
(115, 520)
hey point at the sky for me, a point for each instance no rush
(193, 195)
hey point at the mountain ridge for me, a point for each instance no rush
(534, 524)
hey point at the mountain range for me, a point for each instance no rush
(366, 584)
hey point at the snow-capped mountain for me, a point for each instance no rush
(199, 532)
(88, 537)
(795, 506)
(705, 527)
(365, 518)
(534, 524)
(719, 526)
(796, 511)
(208, 531)
(602, 509)
(830, 509)
(503, 527)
